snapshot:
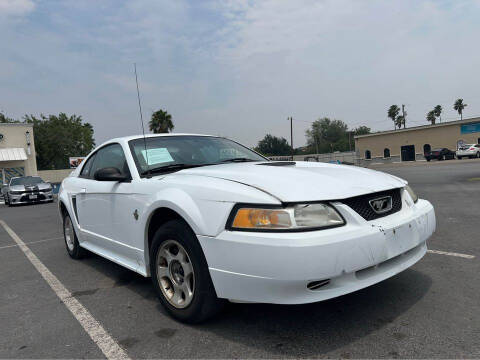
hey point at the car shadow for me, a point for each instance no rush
(297, 330)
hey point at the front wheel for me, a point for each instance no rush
(71, 240)
(180, 274)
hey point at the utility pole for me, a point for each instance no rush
(350, 140)
(403, 116)
(291, 134)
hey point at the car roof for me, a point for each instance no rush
(133, 137)
(126, 139)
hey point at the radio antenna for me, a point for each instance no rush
(141, 120)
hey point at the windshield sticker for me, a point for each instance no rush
(157, 156)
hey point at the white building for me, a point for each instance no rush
(17, 151)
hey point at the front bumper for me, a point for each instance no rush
(276, 267)
(26, 198)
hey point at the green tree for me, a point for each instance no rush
(437, 110)
(431, 117)
(362, 130)
(392, 114)
(327, 135)
(161, 122)
(459, 105)
(400, 121)
(4, 119)
(273, 146)
(59, 137)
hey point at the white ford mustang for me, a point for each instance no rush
(208, 219)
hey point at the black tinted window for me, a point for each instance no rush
(110, 156)
(87, 167)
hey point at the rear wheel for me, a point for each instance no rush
(180, 274)
(71, 240)
(478, 155)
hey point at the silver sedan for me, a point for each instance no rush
(27, 190)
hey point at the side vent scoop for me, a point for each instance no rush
(316, 285)
(279, 163)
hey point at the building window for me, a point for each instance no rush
(427, 148)
(386, 153)
(368, 155)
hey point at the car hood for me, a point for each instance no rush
(303, 181)
(40, 186)
(16, 188)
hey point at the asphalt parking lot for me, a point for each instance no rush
(431, 310)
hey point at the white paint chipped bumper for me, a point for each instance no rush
(276, 267)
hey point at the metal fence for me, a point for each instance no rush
(346, 157)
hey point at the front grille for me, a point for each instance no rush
(27, 198)
(362, 206)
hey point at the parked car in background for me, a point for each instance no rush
(27, 190)
(209, 219)
(468, 150)
(439, 154)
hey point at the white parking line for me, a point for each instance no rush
(31, 242)
(97, 333)
(451, 254)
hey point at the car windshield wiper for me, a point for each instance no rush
(170, 167)
(239, 159)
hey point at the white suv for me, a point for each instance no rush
(470, 150)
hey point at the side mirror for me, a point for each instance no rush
(110, 174)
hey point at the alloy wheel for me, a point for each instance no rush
(69, 234)
(175, 274)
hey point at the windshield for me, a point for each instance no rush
(29, 180)
(177, 152)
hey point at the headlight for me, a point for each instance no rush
(291, 218)
(411, 193)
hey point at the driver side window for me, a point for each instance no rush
(110, 156)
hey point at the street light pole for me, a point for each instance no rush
(291, 134)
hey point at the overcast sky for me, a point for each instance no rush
(238, 68)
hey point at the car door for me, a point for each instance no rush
(105, 209)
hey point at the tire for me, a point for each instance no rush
(71, 241)
(428, 159)
(180, 274)
(478, 155)
(459, 157)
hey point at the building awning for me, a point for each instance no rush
(12, 154)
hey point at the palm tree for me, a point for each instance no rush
(400, 121)
(459, 106)
(431, 117)
(392, 114)
(437, 110)
(161, 122)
